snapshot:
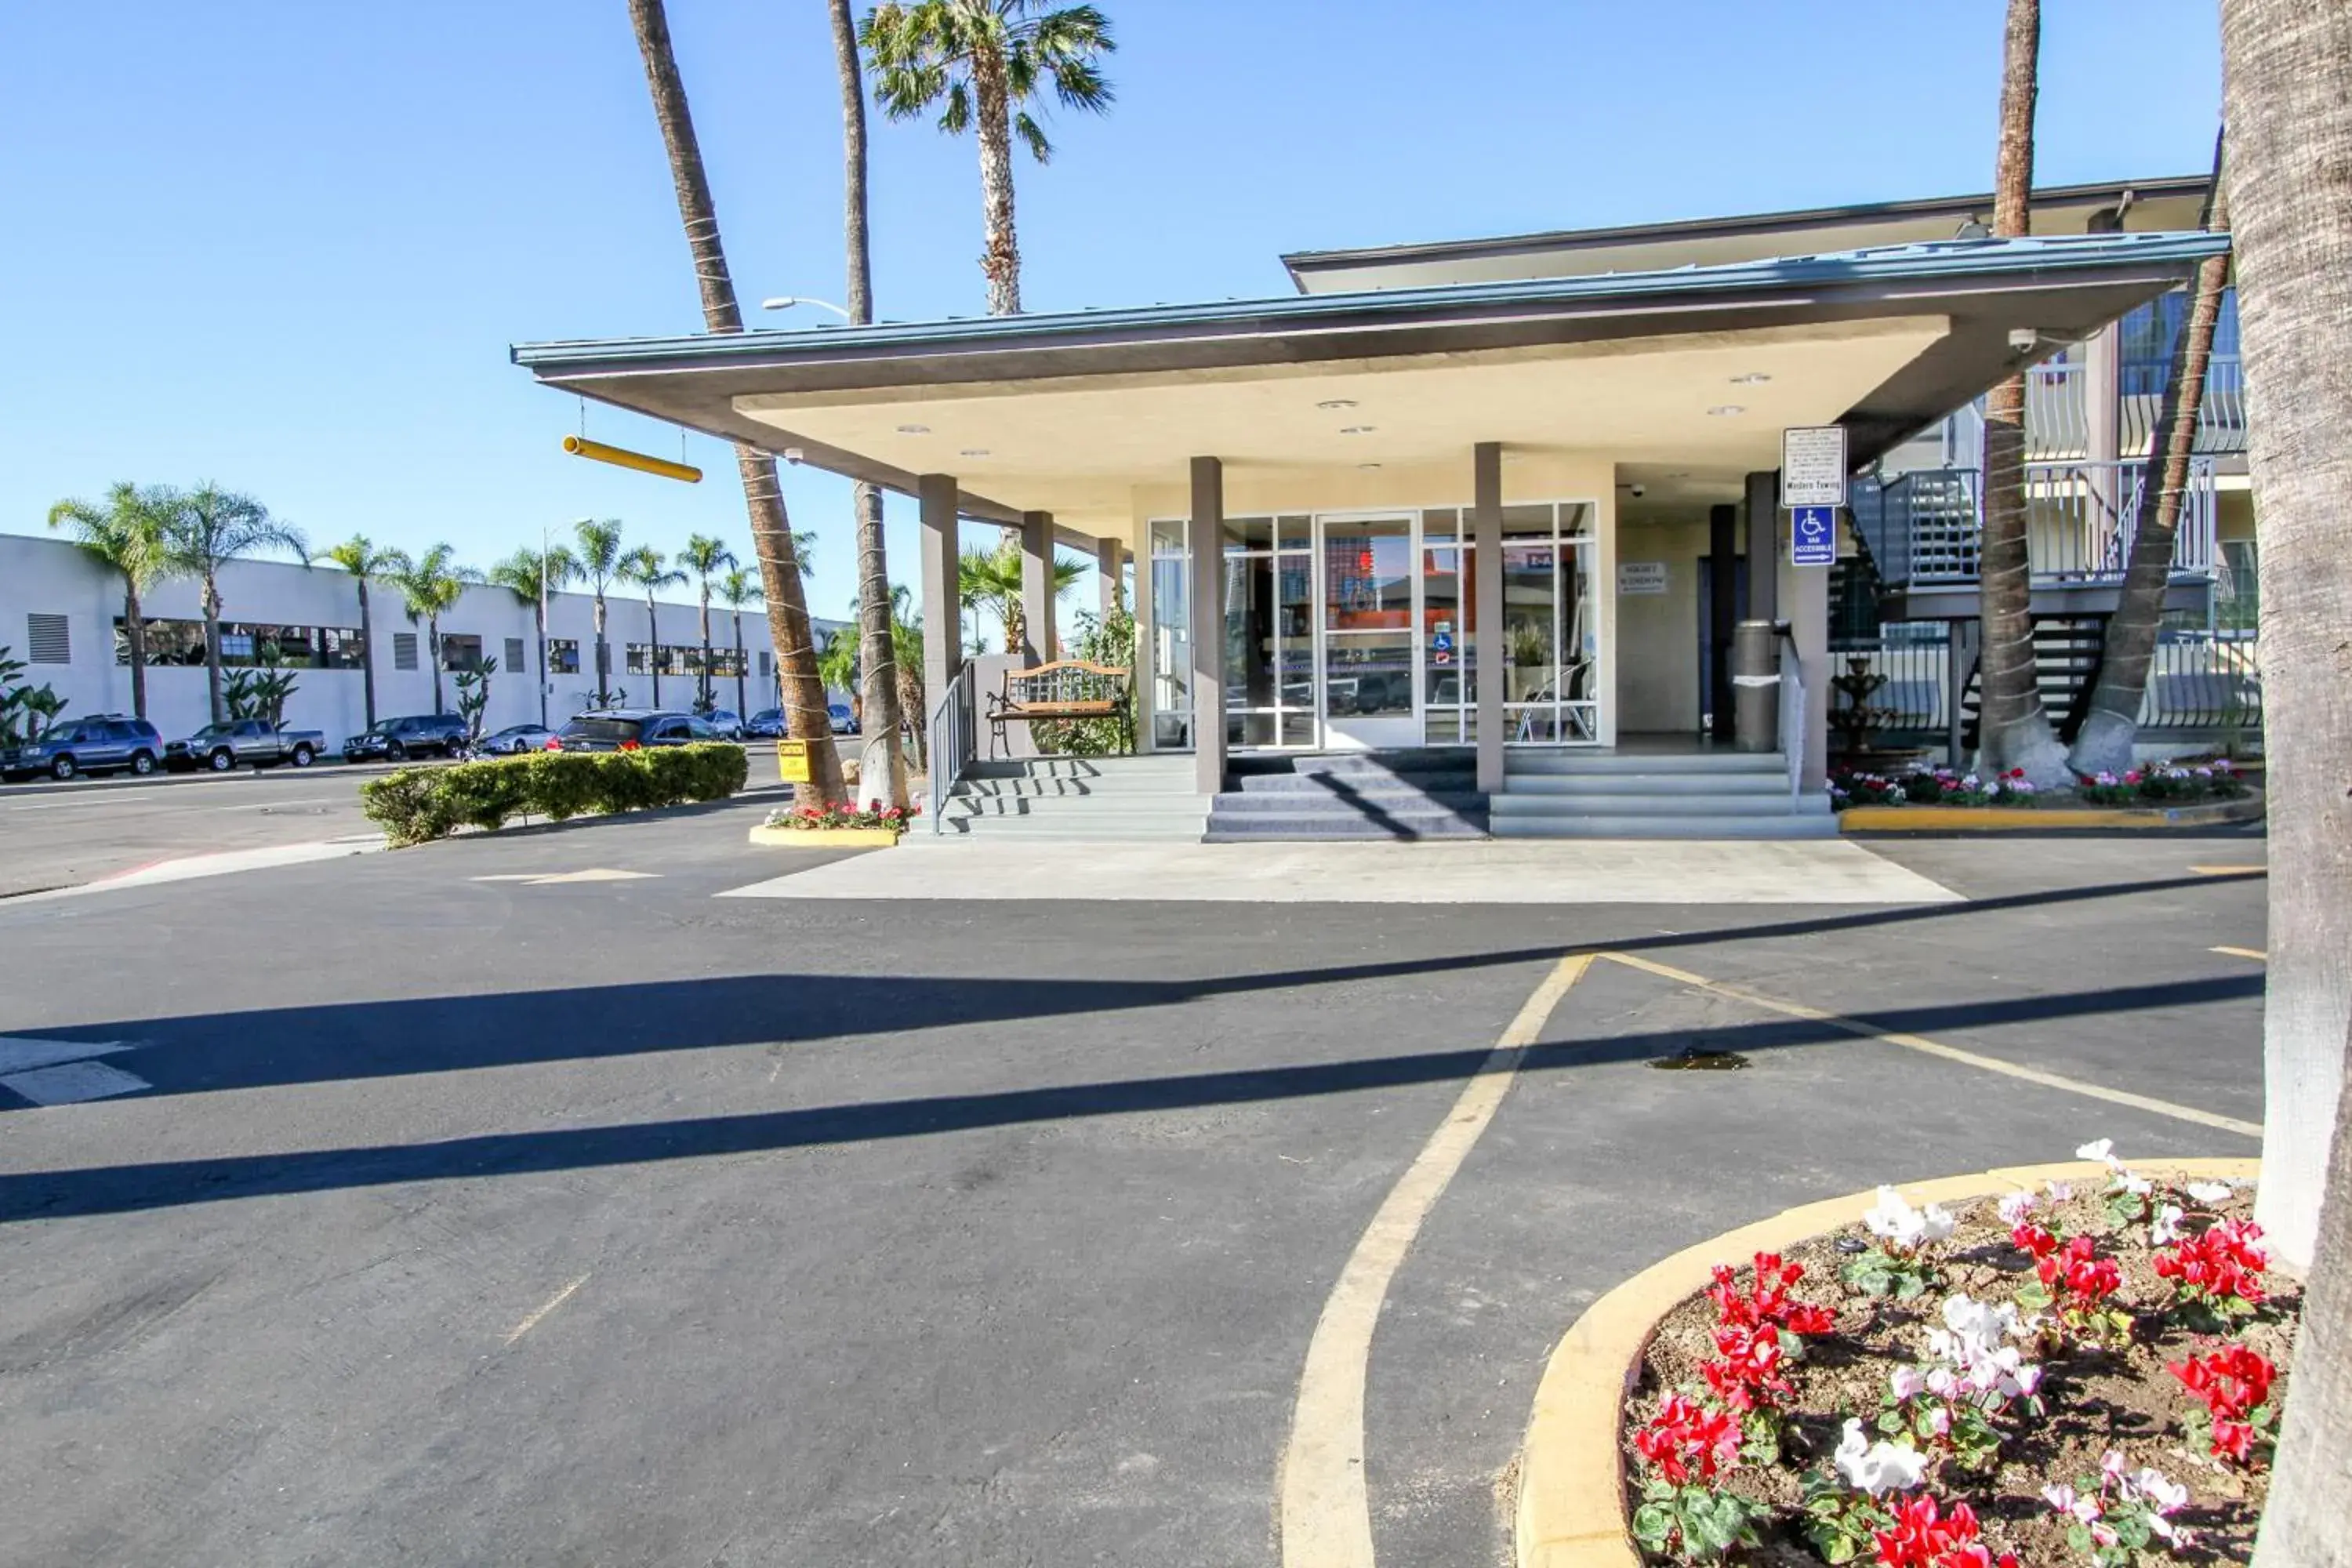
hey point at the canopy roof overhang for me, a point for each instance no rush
(1066, 413)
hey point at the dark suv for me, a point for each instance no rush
(397, 740)
(93, 745)
(627, 729)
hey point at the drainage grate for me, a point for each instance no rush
(1699, 1059)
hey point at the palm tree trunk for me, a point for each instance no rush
(2104, 740)
(652, 647)
(134, 637)
(433, 652)
(1002, 260)
(705, 673)
(603, 654)
(538, 618)
(367, 654)
(772, 533)
(2287, 100)
(742, 688)
(2013, 729)
(213, 650)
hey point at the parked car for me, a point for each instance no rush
(727, 721)
(244, 742)
(397, 740)
(768, 724)
(515, 740)
(98, 743)
(627, 729)
(845, 720)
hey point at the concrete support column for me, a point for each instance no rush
(1037, 586)
(1763, 547)
(1205, 546)
(1489, 657)
(1109, 563)
(1805, 605)
(939, 553)
(1722, 610)
(2102, 379)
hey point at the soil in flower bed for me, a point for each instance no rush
(2096, 1400)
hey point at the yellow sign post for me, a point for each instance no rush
(792, 761)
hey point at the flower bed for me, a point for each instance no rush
(2064, 1376)
(842, 814)
(2157, 784)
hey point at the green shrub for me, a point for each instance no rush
(414, 805)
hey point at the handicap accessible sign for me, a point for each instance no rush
(1812, 536)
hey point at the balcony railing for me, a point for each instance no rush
(2058, 420)
(2221, 417)
(1927, 527)
(2195, 682)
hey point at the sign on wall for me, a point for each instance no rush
(1640, 577)
(1812, 536)
(1812, 466)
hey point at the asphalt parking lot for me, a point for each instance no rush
(519, 1200)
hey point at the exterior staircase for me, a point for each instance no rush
(1109, 798)
(1649, 794)
(1350, 796)
(2067, 652)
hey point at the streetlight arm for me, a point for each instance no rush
(786, 301)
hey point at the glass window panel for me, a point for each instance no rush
(1369, 676)
(1171, 652)
(1534, 726)
(1296, 532)
(1167, 536)
(1250, 633)
(1576, 520)
(1367, 574)
(1255, 730)
(1442, 727)
(1528, 520)
(1298, 728)
(1530, 623)
(1249, 533)
(1443, 523)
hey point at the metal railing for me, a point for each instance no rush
(1792, 715)
(2057, 412)
(2197, 681)
(2203, 682)
(1915, 671)
(2220, 416)
(952, 741)
(1927, 527)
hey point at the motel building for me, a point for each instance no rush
(1454, 540)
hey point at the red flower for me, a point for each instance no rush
(2233, 1381)
(2033, 1239)
(2227, 1261)
(2077, 1270)
(1925, 1537)
(1749, 1364)
(1687, 1439)
(1767, 1301)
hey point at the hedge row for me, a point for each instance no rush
(418, 805)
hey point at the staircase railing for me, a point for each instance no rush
(1928, 526)
(953, 741)
(1792, 716)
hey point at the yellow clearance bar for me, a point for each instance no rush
(620, 457)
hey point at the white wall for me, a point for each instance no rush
(50, 576)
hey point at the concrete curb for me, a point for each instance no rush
(824, 837)
(2010, 818)
(1572, 1508)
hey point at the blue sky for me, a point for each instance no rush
(288, 253)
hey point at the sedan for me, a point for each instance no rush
(515, 740)
(768, 724)
(727, 721)
(844, 721)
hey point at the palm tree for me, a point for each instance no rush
(879, 696)
(431, 586)
(360, 556)
(2286, 96)
(739, 588)
(2012, 729)
(838, 665)
(705, 557)
(981, 61)
(907, 638)
(645, 567)
(204, 527)
(599, 562)
(530, 575)
(991, 580)
(772, 535)
(126, 537)
(2105, 741)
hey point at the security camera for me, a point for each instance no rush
(1640, 490)
(792, 454)
(2022, 339)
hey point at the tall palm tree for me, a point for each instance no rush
(2012, 729)
(2112, 723)
(530, 575)
(126, 537)
(878, 694)
(739, 588)
(992, 580)
(763, 499)
(645, 567)
(705, 557)
(599, 561)
(2286, 96)
(365, 561)
(203, 528)
(907, 638)
(982, 62)
(430, 587)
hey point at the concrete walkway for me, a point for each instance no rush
(1599, 871)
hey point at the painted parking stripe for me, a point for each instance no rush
(2256, 954)
(73, 1082)
(20, 1054)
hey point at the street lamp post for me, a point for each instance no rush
(786, 301)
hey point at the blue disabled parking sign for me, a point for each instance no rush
(1812, 536)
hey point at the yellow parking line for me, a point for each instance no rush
(2228, 871)
(2256, 954)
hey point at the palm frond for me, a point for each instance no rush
(1033, 134)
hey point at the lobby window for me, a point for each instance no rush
(1549, 651)
(1269, 656)
(1172, 637)
(1447, 633)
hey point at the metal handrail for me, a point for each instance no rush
(1792, 716)
(953, 741)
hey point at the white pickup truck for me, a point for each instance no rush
(243, 742)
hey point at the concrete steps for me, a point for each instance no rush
(1653, 795)
(1105, 799)
(1350, 796)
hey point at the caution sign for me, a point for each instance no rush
(792, 761)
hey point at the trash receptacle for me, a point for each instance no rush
(1756, 686)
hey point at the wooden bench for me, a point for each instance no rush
(1067, 689)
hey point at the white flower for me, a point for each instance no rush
(2104, 1150)
(2162, 1494)
(2060, 1191)
(1880, 1466)
(2211, 1192)
(2029, 1380)
(2063, 1498)
(1939, 1422)
(1896, 1221)
(2016, 1206)
(1907, 1382)
(2104, 1534)
(2129, 1181)
(2111, 1466)
(2165, 1229)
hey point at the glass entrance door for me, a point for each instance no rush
(1370, 663)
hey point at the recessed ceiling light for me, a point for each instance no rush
(974, 452)
(914, 429)
(1753, 378)
(1357, 429)
(1723, 409)
(1684, 475)
(1337, 402)
(1367, 465)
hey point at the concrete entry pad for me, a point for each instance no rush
(1591, 872)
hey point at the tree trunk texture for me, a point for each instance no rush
(652, 647)
(538, 618)
(2307, 1522)
(772, 533)
(743, 686)
(433, 652)
(2013, 729)
(1001, 262)
(603, 656)
(2112, 723)
(134, 634)
(367, 653)
(2286, 71)
(213, 650)
(705, 683)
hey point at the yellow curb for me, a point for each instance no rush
(822, 838)
(2015, 818)
(1571, 1511)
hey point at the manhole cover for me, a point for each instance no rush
(1696, 1058)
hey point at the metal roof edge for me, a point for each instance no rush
(1986, 258)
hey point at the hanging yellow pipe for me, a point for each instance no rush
(581, 447)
